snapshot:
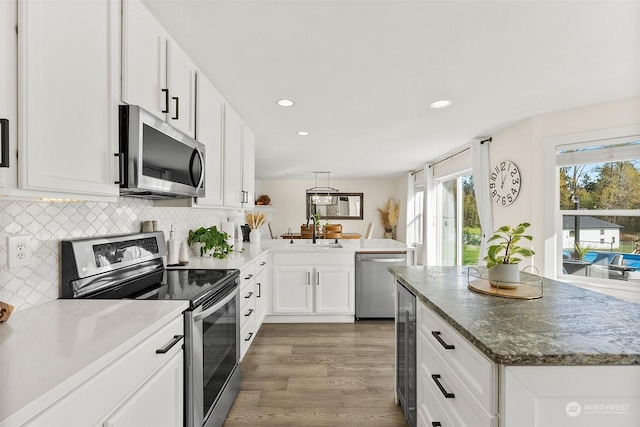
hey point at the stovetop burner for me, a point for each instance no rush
(131, 267)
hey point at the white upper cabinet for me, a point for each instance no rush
(233, 127)
(156, 74)
(210, 113)
(248, 168)
(144, 74)
(68, 85)
(8, 101)
(181, 81)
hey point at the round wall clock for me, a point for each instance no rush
(504, 183)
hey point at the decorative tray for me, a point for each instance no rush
(531, 286)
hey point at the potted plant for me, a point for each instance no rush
(210, 241)
(504, 255)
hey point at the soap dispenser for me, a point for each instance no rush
(173, 249)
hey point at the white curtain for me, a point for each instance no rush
(480, 165)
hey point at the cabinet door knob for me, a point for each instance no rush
(177, 116)
(4, 143)
(166, 100)
(121, 166)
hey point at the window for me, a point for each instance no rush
(458, 224)
(597, 213)
(418, 206)
(453, 233)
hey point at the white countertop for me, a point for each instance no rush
(47, 350)
(251, 250)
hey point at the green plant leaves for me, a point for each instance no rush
(506, 248)
(211, 238)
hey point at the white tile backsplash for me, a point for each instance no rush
(48, 222)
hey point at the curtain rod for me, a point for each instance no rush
(459, 152)
(450, 157)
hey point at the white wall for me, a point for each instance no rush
(523, 143)
(288, 198)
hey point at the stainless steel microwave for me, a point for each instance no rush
(158, 161)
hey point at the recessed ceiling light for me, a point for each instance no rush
(303, 133)
(285, 102)
(443, 103)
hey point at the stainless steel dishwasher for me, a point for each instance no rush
(375, 286)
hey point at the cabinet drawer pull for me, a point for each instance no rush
(441, 341)
(249, 313)
(166, 100)
(259, 290)
(177, 116)
(249, 295)
(248, 277)
(4, 148)
(318, 278)
(308, 278)
(166, 348)
(263, 263)
(436, 424)
(446, 394)
(248, 338)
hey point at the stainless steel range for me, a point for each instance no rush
(131, 267)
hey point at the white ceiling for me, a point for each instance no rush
(363, 73)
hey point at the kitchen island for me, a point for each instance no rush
(570, 358)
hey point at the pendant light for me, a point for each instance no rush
(323, 196)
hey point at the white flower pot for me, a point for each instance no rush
(505, 275)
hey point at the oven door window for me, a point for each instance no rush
(220, 352)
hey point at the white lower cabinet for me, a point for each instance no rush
(570, 396)
(313, 284)
(261, 289)
(143, 387)
(456, 383)
(253, 287)
(159, 392)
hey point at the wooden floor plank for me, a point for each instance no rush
(319, 375)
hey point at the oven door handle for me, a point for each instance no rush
(209, 311)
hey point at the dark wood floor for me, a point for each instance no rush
(319, 375)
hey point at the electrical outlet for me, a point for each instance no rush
(19, 251)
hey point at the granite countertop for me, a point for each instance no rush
(48, 350)
(567, 326)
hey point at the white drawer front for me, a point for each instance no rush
(260, 264)
(247, 294)
(94, 400)
(454, 398)
(246, 277)
(247, 333)
(475, 371)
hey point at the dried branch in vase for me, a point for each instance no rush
(255, 220)
(389, 213)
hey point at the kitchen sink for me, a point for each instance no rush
(309, 245)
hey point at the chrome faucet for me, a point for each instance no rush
(313, 231)
(290, 235)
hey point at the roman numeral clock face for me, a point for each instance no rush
(504, 183)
